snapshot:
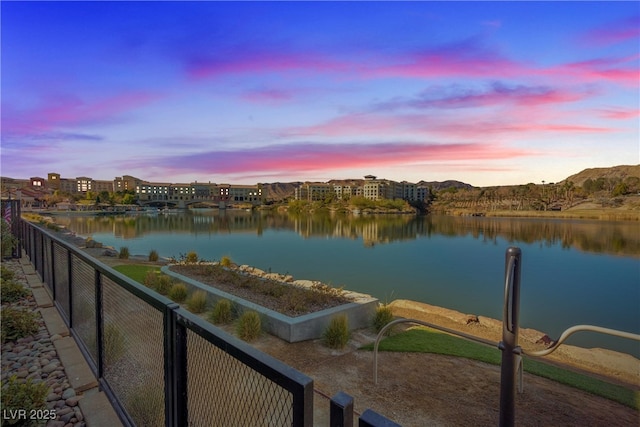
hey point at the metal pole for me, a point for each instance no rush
(509, 343)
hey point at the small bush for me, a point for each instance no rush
(225, 261)
(153, 255)
(11, 291)
(383, 316)
(337, 333)
(249, 326)
(222, 312)
(53, 226)
(178, 292)
(18, 323)
(197, 302)
(146, 406)
(162, 284)
(191, 257)
(28, 396)
(114, 344)
(6, 274)
(150, 279)
(124, 253)
(8, 240)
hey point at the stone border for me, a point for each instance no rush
(292, 329)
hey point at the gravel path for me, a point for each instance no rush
(35, 357)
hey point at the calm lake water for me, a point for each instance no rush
(573, 272)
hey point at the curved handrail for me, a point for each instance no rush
(580, 328)
(566, 334)
(423, 323)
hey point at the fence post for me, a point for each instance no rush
(509, 343)
(99, 324)
(69, 286)
(370, 418)
(341, 410)
(175, 368)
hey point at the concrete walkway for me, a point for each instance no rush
(95, 406)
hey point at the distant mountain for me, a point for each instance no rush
(278, 191)
(620, 172)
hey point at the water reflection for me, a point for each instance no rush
(617, 238)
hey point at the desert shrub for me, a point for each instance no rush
(337, 333)
(114, 344)
(150, 279)
(162, 284)
(11, 291)
(146, 405)
(8, 240)
(53, 226)
(153, 255)
(225, 261)
(191, 258)
(124, 253)
(222, 312)
(383, 315)
(17, 323)
(6, 274)
(249, 326)
(28, 396)
(197, 302)
(178, 292)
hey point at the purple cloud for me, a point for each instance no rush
(497, 94)
(304, 157)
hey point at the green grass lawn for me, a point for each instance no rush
(136, 272)
(425, 340)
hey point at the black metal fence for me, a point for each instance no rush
(161, 365)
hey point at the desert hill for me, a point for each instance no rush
(280, 191)
(615, 172)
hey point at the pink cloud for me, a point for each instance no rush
(505, 122)
(497, 94)
(450, 64)
(616, 32)
(467, 58)
(620, 114)
(614, 70)
(312, 156)
(64, 111)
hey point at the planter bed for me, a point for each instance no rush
(358, 308)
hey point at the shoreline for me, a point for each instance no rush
(607, 364)
(583, 211)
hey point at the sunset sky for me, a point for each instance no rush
(487, 93)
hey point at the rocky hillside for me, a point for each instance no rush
(279, 191)
(615, 172)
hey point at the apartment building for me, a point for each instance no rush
(313, 191)
(126, 183)
(183, 194)
(372, 188)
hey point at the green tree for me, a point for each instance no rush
(620, 189)
(128, 199)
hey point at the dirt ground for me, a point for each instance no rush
(432, 390)
(425, 389)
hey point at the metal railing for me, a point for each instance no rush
(158, 363)
(511, 362)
